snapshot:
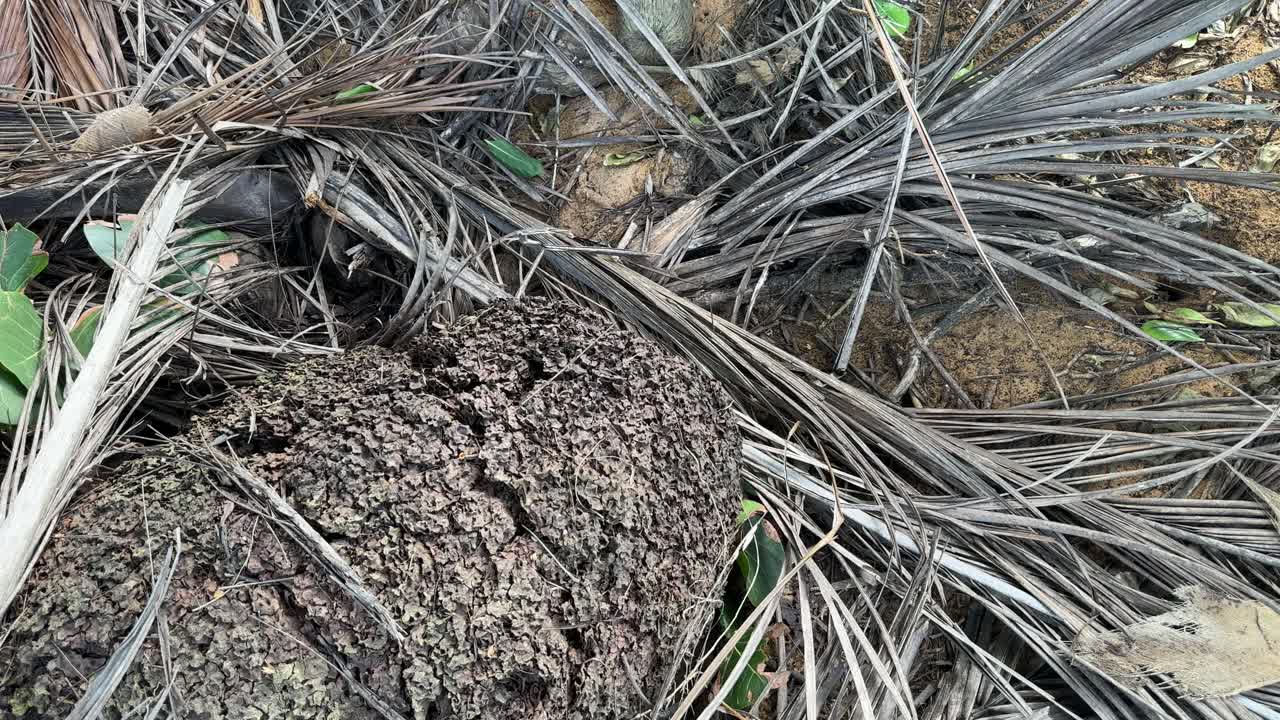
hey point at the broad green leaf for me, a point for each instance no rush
(106, 239)
(353, 94)
(513, 158)
(12, 395)
(1166, 331)
(896, 18)
(623, 159)
(761, 561)
(749, 508)
(21, 330)
(751, 685)
(83, 332)
(1238, 313)
(1194, 317)
(34, 265)
(735, 606)
(19, 260)
(192, 256)
(1188, 42)
(696, 121)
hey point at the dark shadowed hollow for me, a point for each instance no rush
(544, 504)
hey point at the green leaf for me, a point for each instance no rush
(106, 239)
(761, 561)
(896, 18)
(21, 330)
(962, 72)
(1188, 42)
(12, 395)
(696, 121)
(19, 260)
(192, 256)
(751, 685)
(1195, 317)
(749, 508)
(623, 159)
(34, 265)
(1238, 313)
(513, 158)
(353, 94)
(83, 332)
(1165, 331)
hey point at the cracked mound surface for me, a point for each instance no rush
(542, 503)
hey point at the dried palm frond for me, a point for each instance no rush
(15, 60)
(69, 50)
(1032, 511)
(990, 539)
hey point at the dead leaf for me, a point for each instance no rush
(1268, 496)
(760, 70)
(1211, 646)
(763, 70)
(226, 261)
(777, 680)
(1190, 63)
(677, 225)
(1265, 160)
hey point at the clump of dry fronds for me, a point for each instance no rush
(990, 538)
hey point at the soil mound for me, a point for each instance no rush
(543, 504)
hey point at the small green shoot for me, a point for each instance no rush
(353, 94)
